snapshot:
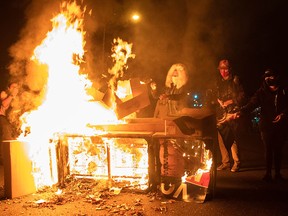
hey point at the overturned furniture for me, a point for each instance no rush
(177, 154)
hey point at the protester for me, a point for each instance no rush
(272, 98)
(230, 95)
(7, 96)
(173, 98)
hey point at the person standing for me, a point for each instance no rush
(172, 100)
(272, 98)
(7, 96)
(230, 96)
(171, 163)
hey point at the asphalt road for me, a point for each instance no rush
(241, 193)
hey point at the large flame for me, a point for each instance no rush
(66, 108)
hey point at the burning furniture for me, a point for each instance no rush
(61, 113)
(175, 154)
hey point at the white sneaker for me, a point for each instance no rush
(235, 168)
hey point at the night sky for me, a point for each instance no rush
(251, 34)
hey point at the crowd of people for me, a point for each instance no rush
(231, 106)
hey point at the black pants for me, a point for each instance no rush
(273, 140)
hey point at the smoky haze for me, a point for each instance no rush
(168, 32)
(196, 33)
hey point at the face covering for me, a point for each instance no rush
(271, 81)
(175, 80)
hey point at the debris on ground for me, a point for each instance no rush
(97, 192)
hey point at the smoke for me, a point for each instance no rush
(183, 31)
(22, 69)
(178, 32)
(38, 23)
(169, 32)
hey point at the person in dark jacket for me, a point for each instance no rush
(272, 98)
(230, 96)
(172, 100)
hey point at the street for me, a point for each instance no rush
(241, 193)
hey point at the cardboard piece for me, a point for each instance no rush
(132, 105)
(139, 101)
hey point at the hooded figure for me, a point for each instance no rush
(272, 98)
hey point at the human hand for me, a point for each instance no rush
(4, 95)
(153, 86)
(278, 118)
(233, 116)
(220, 102)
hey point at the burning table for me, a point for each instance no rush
(145, 153)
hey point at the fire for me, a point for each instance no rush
(122, 51)
(201, 176)
(66, 108)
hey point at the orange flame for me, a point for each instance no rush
(67, 108)
(122, 51)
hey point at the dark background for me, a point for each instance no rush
(251, 34)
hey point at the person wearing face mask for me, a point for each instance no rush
(173, 98)
(230, 96)
(272, 98)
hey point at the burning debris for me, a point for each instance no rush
(96, 193)
(92, 191)
(117, 160)
(65, 107)
(85, 149)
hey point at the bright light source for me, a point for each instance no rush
(135, 17)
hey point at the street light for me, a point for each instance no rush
(131, 18)
(135, 17)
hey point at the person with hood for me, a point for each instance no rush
(272, 98)
(172, 100)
